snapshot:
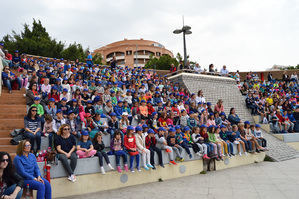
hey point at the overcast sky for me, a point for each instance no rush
(242, 34)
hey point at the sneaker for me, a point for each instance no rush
(139, 170)
(126, 167)
(172, 162)
(72, 178)
(162, 165)
(110, 167)
(103, 170)
(246, 153)
(118, 169)
(206, 157)
(149, 166)
(232, 154)
(240, 154)
(145, 167)
(177, 159)
(181, 159)
(168, 150)
(199, 154)
(154, 168)
(132, 170)
(190, 156)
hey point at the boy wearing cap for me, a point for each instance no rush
(89, 108)
(58, 120)
(75, 126)
(186, 143)
(162, 144)
(51, 109)
(140, 143)
(184, 118)
(113, 125)
(63, 107)
(85, 96)
(39, 107)
(192, 122)
(173, 143)
(259, 135)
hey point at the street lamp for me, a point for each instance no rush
(186, 31)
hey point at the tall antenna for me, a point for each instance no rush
(183, 20)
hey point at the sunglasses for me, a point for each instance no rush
(34, 110)
(27, 145)
(66, 129)
(4, 160)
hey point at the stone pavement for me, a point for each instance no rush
(273, 180)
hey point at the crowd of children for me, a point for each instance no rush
(275, 101)
(143, 113)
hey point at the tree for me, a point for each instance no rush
(179, 57)
(162, 63)
(97, 59)
(37, 41)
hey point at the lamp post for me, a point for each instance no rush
(186, 31)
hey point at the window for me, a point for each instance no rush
(129, 52)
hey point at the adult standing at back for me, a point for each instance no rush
(26, 165)
(224, 71)
(113, 63)
(10, 182)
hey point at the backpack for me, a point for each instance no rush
(17, 139)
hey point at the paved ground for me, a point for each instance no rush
(263, 180)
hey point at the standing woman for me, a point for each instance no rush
(66, 146)
(26, 165)
(32, 125)
(10, 182)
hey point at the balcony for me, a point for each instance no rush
(117, 58)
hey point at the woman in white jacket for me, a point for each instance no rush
(145, 153)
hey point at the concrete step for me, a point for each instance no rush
(13, 100)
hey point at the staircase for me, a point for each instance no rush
(12, 112)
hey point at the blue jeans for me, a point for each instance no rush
(230, 147)
(186, 147)
(132, 160)
(33, 138)
(11, 189)
(122, 154)
(248, 145)
(43, 190)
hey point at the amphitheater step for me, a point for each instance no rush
(8, 148)
(10, 124)
(5, 141)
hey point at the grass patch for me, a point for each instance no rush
(203, 172)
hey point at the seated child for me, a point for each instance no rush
(162, 144)
(199, 141)
(150, 143)
(236, 139)
(85, 148)
(258, 134)
(99, 146)
(130, 145)
(145, 153)
(117, 148)
(225, 136)
(216, 145)
(173, 143)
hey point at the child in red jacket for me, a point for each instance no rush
(150, 144)
(130, 145)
